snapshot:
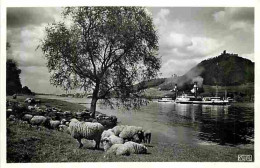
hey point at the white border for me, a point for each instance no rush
(158, 3)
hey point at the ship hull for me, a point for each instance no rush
(204, 102)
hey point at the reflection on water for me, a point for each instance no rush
(227, 124)
(231, 124)
(188, 123)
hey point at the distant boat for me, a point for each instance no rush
(185, 99)
(166, 99)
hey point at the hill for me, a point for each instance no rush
(224, 70)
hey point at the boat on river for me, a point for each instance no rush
(166, 99)
(186, 99)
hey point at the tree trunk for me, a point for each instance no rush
(94, 101)
(93, 106)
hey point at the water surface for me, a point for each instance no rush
(187, 123)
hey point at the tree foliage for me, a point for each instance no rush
(13, 83)
(103, 49)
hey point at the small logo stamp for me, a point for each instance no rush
(245, 158)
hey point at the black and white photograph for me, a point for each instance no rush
(129, 83)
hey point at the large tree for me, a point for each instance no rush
(13, 83)
(105, 49)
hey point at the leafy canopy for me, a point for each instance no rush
(104, 49)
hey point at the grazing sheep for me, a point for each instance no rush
(27, 117)
(86, 130)
(63, 121)
(118, 149)
(111, 140)
(31, 108)
(67, 123)
(107, 133)
(132, 133)
(127, 149)
(64, 128)
(40, 120)
(67, 113)
(11, 117)
(118, 129)
(115, 139)
(29, 100)
(136, 147)
(54, 124)
(147, 136)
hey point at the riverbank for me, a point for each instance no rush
(26, 144)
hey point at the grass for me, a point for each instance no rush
(27, 144)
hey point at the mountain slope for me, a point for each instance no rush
(223, 70)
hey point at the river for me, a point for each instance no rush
(231, 125)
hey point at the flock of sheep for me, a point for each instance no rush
(118, 140)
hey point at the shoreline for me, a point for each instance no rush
(162, 152)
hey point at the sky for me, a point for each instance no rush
(187, 35)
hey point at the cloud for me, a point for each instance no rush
(23, 45)
(181, 47)
(24, 16)
(180, 50)
(161, 16)
(203, 46)
(178, 67)
(175, 40)
(236, 18)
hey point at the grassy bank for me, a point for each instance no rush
(26, 144)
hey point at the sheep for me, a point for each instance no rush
(111, 140)
(54, 124)
(147, 136)
(87, 130)
(136, 147)
(67, 123)
(27, 117)
(11, 117)
(63, 121)
(107, 133)
(118, 129)
(115, 139)
(31, 108)
(64, 128)
(39, 120)
(118, 149)
(127, 149)
(132, 133)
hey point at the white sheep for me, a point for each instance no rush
(54, 124)
(132, 133)
(136, 147)
(111, 140)
(64, 128)
(63, 121)
(27, 117)
(107, 133)
(86, 130)
(31, 107)
(127, 149)
(39, 120)
(118, 149)
(11, 117)
(118, 129)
